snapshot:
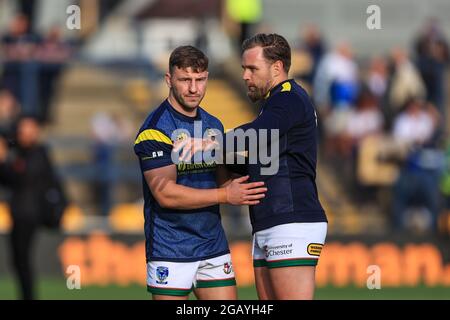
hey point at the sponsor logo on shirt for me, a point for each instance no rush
(181, 136)
(184, 168)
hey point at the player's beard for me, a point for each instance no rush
(258, 93)
(182, 100)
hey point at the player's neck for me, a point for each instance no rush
(279, 80)
(189, 112)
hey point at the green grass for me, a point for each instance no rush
(50, 289)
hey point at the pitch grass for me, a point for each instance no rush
(55, 289)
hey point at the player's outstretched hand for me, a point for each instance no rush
(240, 193)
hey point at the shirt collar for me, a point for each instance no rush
(181, 116)
(285, 85)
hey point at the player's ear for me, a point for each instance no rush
(277, 66)
(168, 77)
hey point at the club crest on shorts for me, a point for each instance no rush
(227, 267)
(162, 273)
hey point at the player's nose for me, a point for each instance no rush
(193, 87)
(246, 75)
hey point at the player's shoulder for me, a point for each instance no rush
(156, 127)
(290, 93)
(159, 119)
(211, 120)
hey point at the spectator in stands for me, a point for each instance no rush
(444, 185)
(313, 44)
(21, 72)
(25, 168)
(432, 60)
(104, 131)
(377, 77)
(109, 132)
(406, 82)
(335, 88)
(365, 120)
(377, 80)
(415, 126)
(336, 81)
(28, 8)
(9, 112)
(52, 54)
(418, 182)
(19, 43)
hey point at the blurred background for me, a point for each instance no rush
(78, 78)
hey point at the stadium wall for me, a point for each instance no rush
(346, 21)
(119, 259)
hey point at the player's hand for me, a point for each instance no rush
(240, 193)
(191, 146)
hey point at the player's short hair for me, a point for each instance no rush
(275, 47)
(188, 56)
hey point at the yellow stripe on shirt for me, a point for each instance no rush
(153, 135)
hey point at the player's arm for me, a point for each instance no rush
(169, 194)
(154, 149)
(281, 115)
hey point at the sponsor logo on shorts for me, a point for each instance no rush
(284, 249)
(227, 267)
(162, 273)
(314, 249)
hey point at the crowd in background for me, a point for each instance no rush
(31, 65)
(401, 98)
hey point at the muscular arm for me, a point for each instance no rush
(169, 194)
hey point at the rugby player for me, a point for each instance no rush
(289, 224)
(186, 247)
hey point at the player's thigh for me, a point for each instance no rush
(215, 279)
(293, 283)
(170, 280)
(217, 293)
(262, 276)
(169, 297)
(263, 284)
(291, 254)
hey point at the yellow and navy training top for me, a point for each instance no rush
(178, 235)
(292, 193)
